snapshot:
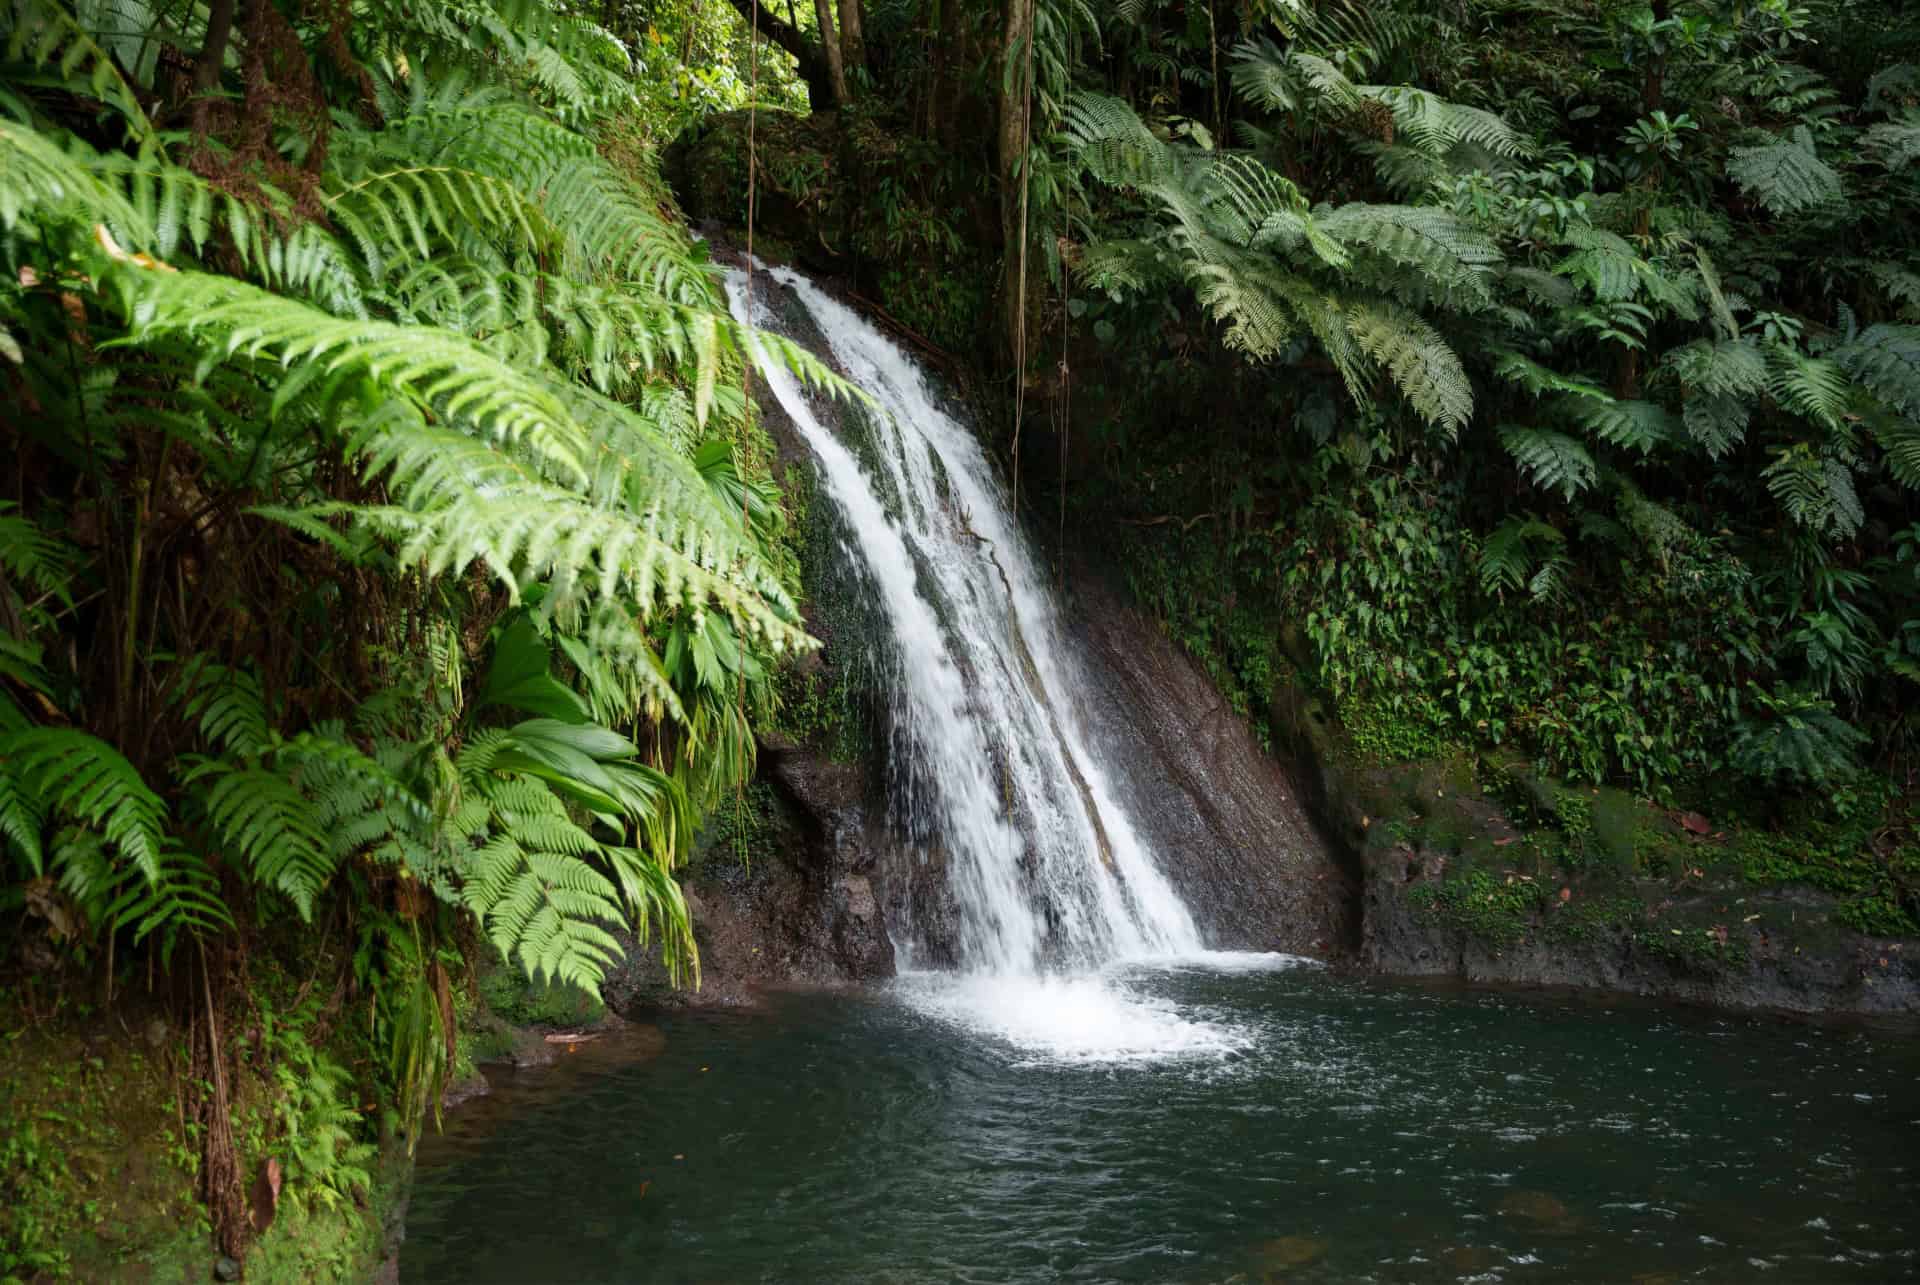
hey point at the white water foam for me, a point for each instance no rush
(1085, 1019)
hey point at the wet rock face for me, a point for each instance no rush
(1225, 817)
(798, 909)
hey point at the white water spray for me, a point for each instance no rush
(1050, 877)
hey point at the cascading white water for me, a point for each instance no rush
(1050, 877)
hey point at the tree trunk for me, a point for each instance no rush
(853, 46)
(1016, 68)
(830, 44)
(213, 54)
(950, 57)
(813, 68)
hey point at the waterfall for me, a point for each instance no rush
(1048, 871)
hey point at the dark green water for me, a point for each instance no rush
(1316, 1129)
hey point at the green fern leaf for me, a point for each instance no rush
(1786, 175)
(62, 772)
(1552, 460)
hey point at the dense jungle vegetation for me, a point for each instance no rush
(392, 574)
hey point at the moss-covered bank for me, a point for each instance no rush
(1477, 866)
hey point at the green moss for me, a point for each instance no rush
(744, 831)
(1381, 731)
(1493, 909)
(509, 995)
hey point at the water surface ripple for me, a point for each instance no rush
(1332, 1130)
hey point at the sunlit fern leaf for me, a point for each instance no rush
(426, 206)
(1638, 425)
(1248, 196)
(548, 912)
(39, 178)
(1786, 175)
(60, 772)
(1422, 366)
(1437, 126)
(329, 359)
(1551, 460)
(609, 228)
(1256, 322)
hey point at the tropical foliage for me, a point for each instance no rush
(382, 537)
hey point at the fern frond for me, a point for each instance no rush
(1895, 143)
(260, 817)
(63, 772)
(1551, 460)
(1435, 243)
(1810, 386)
(1509, 553)
(1816, 491)
(1640, 426)
(1786, 175)
(46, 36)
(328, 358)
(1529, 374)
(1886, 360)
(1424, 368)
